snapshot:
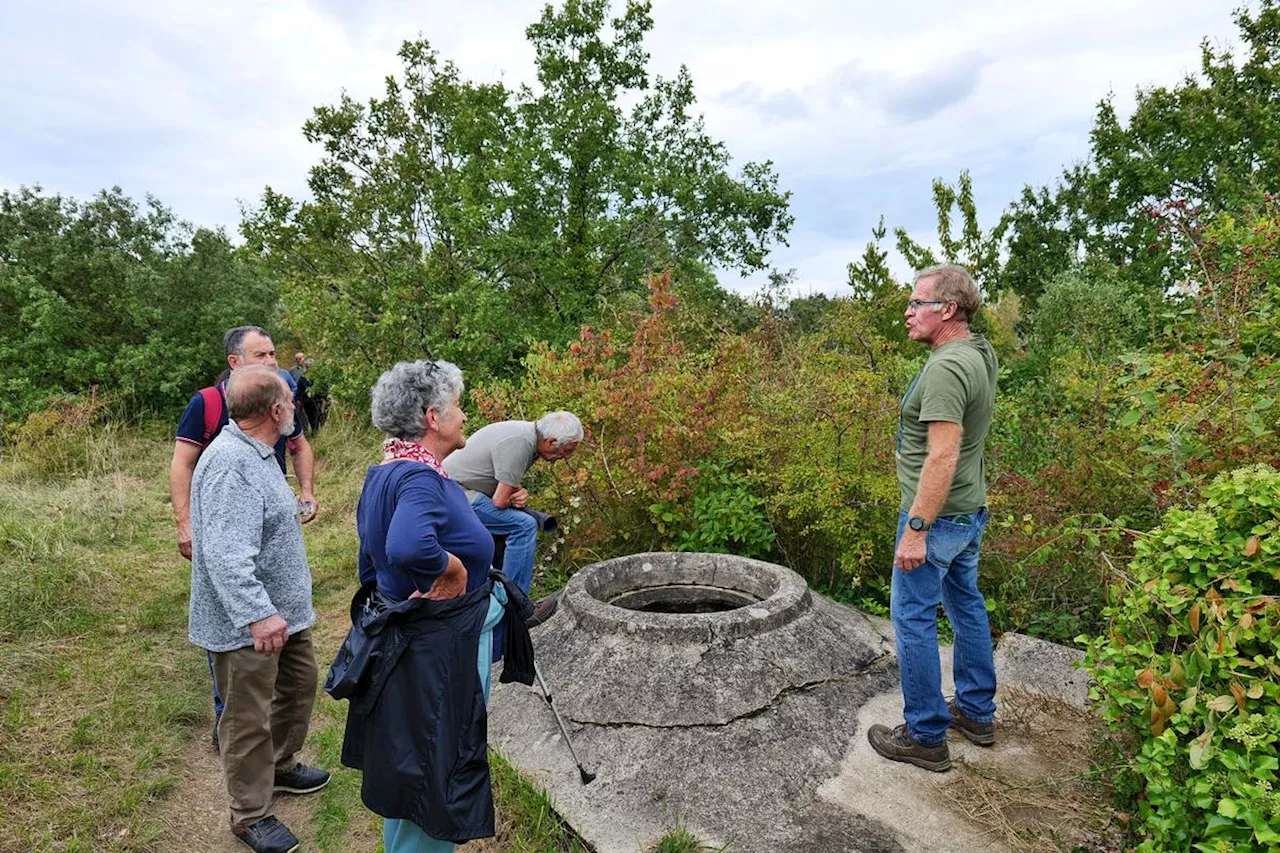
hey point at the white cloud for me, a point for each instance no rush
(860, 104)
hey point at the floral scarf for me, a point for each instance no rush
(395, 448)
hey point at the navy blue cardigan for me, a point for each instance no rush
(407, 518)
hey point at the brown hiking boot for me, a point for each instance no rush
(897, 744)
(543, 610)
(983, 734)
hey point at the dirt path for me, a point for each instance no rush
(195, 812)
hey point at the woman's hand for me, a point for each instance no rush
(451, 584)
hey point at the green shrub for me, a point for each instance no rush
(1190, 670)
(118, 295)
(759, 443)
(725, 515)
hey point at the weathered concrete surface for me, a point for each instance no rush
(756, 739)
(1044, 668)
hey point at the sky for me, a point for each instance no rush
(860, 105)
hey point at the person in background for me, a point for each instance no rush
(299, 365)
(306, 406)
(942, 427)
(205, 417)
(491, 468)
(251, 607)
(316, 402)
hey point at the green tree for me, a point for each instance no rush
(1041, 244)
(1091, 310)
(976, 250)
(1205, 145)
(105, 293)
(879, 299)
(446, 208)
(883, 299)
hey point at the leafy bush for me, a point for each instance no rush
(1092, 310)
(66, 438)
(1190, 670)
(759, 443)
(725, 515)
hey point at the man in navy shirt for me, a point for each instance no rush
(245, 345)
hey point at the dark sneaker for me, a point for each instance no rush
(897, 744)
(543, 610)
(983, 734)
(217, 747)
(268, 836)
(301, 780)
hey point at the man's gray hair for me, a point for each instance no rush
(564, 427)
(953, 283)
(403, 394)
(233, 340)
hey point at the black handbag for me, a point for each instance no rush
(355, 660)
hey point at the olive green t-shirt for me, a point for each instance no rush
(958, 385)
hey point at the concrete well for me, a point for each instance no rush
(747, 723)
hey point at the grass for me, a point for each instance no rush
(101, 694)
(681, 840)
(1067, 805)
(528, 823)
(98, 686)
(102, 697)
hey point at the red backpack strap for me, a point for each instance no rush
(213, 405)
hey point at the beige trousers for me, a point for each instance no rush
(268, 701)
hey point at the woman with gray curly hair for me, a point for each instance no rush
(421, 738)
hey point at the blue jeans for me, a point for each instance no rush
(400, 835)
(217, 698)
(948, 575)
(522, 538)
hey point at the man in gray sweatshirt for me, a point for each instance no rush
(251, 606)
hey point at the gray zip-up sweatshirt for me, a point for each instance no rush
(247, 556)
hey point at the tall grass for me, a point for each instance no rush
(97, 692)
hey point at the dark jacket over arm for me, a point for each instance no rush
(419, 729)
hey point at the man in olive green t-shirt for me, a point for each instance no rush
(942, 427)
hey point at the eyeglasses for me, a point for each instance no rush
(914, 304)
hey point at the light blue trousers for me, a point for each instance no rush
(405, 836)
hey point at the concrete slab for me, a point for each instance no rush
(1044, 668)
(750, 738)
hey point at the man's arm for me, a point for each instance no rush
(181, 469)
(512, 459)
(304, 466)
(509, 496)
(935, 484)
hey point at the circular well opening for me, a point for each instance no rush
(683, 598)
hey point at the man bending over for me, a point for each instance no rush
(491, 468)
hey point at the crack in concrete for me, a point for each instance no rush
(745, 715)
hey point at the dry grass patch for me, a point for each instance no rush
(1051, 799)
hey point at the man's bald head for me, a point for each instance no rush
(253, 391)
